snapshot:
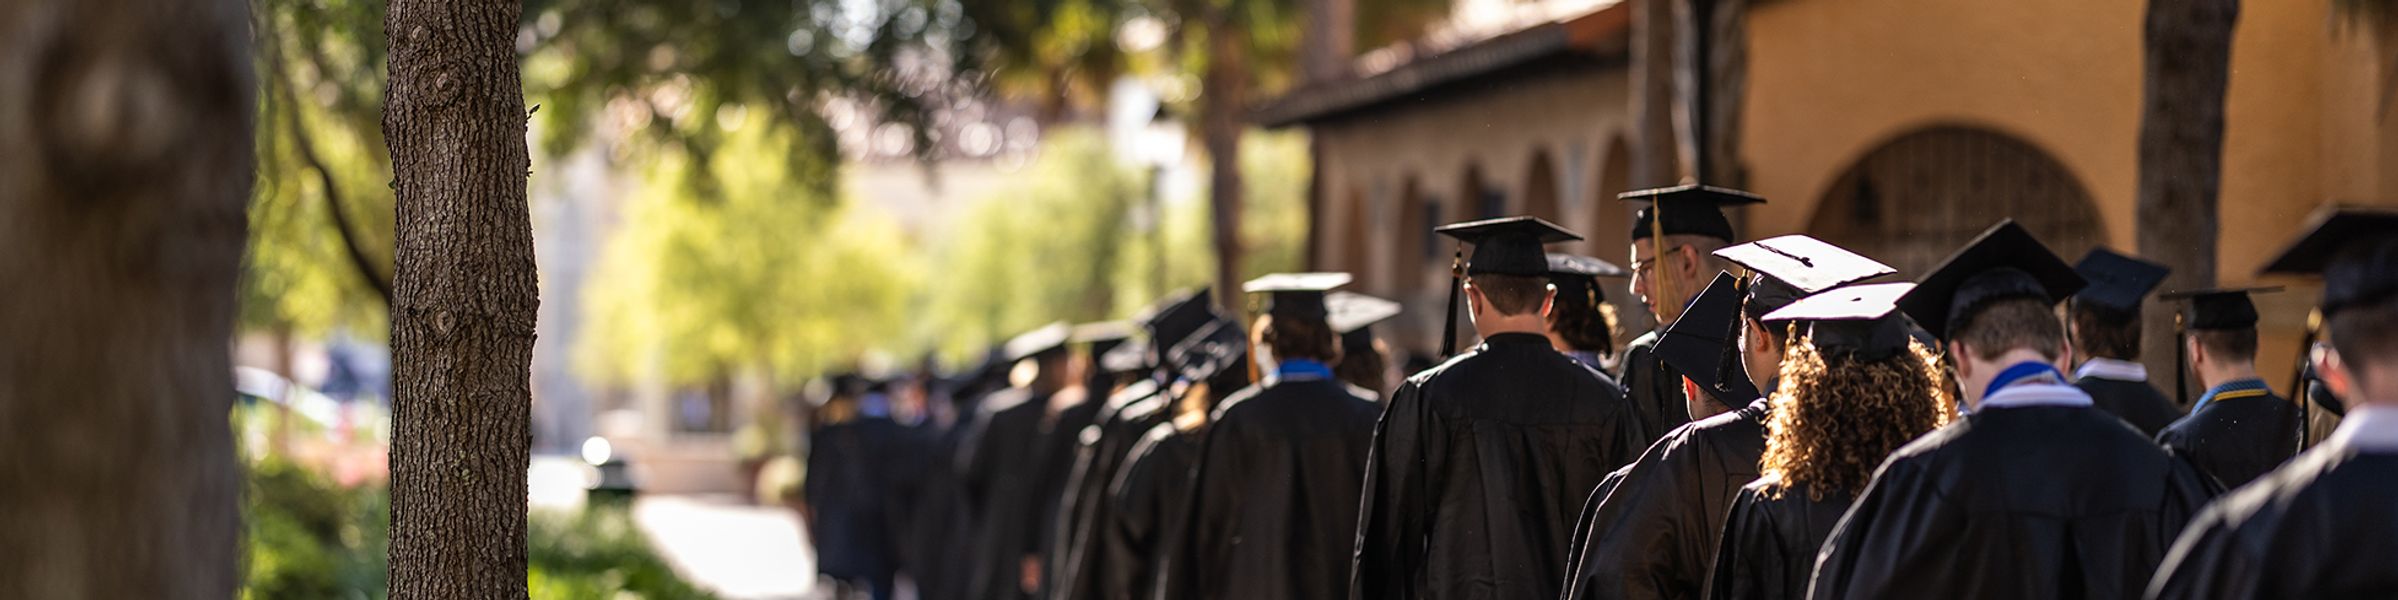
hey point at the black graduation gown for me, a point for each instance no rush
(2136, 402)
(1151, 498)
(1769, 543)
(1060, 435)
(933, 554)
(850, 485)
(1653, 387)
(1003, 470)
(2235, 440)
(1274, 497)
(1121, 422)
(1655, 532)
(2021, 502)
(1476, 468)
(2322, 527)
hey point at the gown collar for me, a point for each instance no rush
(2032, 384)
(2368, 428)
(2237, 388)
(1587, 358)
(2108, 368)
(1514, 338)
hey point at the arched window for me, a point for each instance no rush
(1914, 200)
(1540, 188)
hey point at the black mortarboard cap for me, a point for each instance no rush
(1125, 358)
(2117, 282)
(1689, 209)
(1351, 311)
(1794, 266)
(2356, 251)
(1859, 320)
(1104, 338)
(1704, 343)
(2004, 263)
(1576, 277)
(2219, 309)
(1176, 317)
(1508, 245)
(1295, 295)
(1047, 340)
(1353, 316)
(1217, 346)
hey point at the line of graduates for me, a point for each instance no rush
(1794, 428)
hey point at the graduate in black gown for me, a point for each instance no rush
(2239, 429)
(2035, 493)
(2322, 526)
(1854, 388)
(1274, 495)
(1582, 324)
(1673, 243)
(1003, 467)
(850, 489)
(1150, 497)
(1365, 360)
(2103, 320)
(940, 514)
(1128, 415)
(1652, 535)
(1478, 464)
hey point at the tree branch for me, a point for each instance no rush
(375, 279)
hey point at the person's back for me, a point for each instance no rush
(1276, 492)
(2036, 493)
(2322, 526)
(2236, 440)
(2135, 402)
(2027, 502)
(1478, 465)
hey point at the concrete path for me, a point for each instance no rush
(737, 550)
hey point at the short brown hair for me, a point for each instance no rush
(2105, 332)
(1998, 327)
(1309, 339)
(2234, 344)
(1512, 294)
(2365, 334)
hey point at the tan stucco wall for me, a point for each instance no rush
(1830, 80)
(1569, 117)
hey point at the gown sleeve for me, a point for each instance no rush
(1394, 506)
(1749, 560)
(1213, 513)
(1127, 533)
(1889, 522)
(2208, 562)
(1633, 548)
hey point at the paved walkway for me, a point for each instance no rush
(737, 550)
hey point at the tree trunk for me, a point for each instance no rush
(1223, 97)
(127, 171)
(1711, 123)
(1654, 151)
(1331, 38)
(2188, 67)
(463, 300)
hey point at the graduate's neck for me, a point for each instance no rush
(2213, 374)
(1491, 322)
(1976, 374)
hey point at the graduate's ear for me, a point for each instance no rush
(2196, 351)
(1548, 300)
(2334, 373)
(1473, 298)
(1957, 355)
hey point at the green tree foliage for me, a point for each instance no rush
(753, 275)
(320, 150)
(1059, 244)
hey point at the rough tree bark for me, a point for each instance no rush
(1726, 72)
(463, 300)
(125, 171)
(2187, 47)
(1223, 98)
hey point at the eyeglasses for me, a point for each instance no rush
(1644, 266)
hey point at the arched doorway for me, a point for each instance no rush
(1477, 199)
(1917, 198)
(1540, 187)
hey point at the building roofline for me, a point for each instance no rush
(1598, 33)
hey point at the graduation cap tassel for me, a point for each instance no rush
(2181, 364)
(1448, 332)
(2298, 391)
